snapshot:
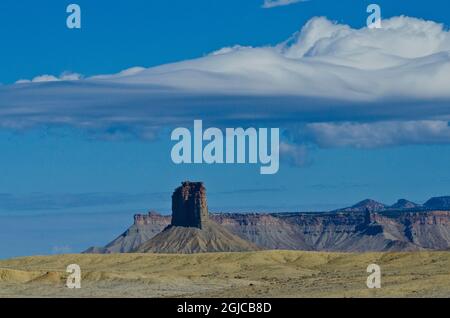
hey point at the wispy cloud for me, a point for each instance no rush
(277, 3)
(296, 155)
(379, 134)
(66, 76)
(250, 191)
(44, 201)
(65, 249)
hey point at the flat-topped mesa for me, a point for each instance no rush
(151, 217)
(189, 206)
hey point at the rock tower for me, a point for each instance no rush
(189, 206)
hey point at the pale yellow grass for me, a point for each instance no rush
(250, 274)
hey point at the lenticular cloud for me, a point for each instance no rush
(342, 86)
(406, 57)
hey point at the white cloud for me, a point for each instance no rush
(66, 76)
(122, 74)
(296, 155)
(379, 134)
(277, 3)
(408, 57)
(343, 86)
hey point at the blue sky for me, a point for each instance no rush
(66, 187)
(116, 35)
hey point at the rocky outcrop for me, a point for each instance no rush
(190, 230)
(189, 205)
(366, 226)
(429, 230)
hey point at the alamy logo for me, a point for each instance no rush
(189, 149)
(374, 20)
(74, 279)
(374, 279)
(73, 21)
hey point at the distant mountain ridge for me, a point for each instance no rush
(435, 203)
(368, 204)
(442, 203)
(366, 226)
(405, 204)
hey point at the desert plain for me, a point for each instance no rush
(244, 274)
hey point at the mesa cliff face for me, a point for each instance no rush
(145, 227)
(366, 226)
(340, 231)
